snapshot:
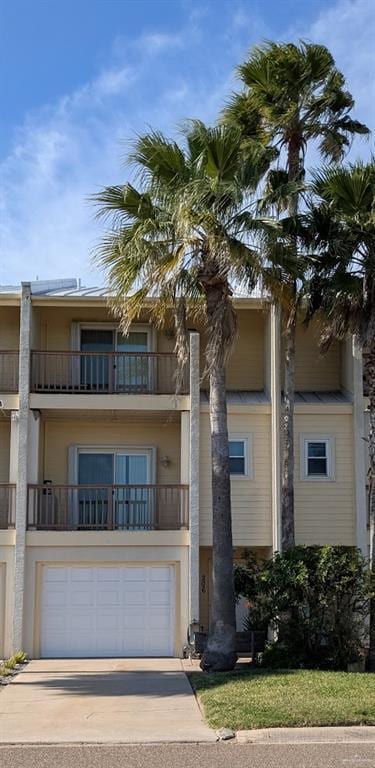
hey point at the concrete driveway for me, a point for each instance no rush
(101, 701)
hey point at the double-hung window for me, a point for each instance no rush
(239, 456)
(317, 458)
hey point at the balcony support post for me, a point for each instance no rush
(22, 467)
(275, 393)
(360, 446)
(194, 480)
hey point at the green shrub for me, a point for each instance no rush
(316, 599)
(6, 667)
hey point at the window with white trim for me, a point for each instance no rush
(239, 456)
(317, 458)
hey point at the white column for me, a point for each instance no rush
(194, 479)
(22, 469)
(362, 539)
(275, 393)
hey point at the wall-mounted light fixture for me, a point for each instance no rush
(165, 461)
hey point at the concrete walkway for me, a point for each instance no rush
(101, 701)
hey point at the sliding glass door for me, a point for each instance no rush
(133, 509)
(96, 369)
(115, 372)
(120, 500)
(133, 370)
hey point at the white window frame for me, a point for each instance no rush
(329, 440)
(246, 439)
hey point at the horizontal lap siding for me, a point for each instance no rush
(58, 436)
(315, 371)
(324, 510)
(251, 497)
(9, 328)
(53, 326)
(246, 363)
(245, 367)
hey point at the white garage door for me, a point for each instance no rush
(107, 611)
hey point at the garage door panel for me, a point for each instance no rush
(110, 596)
(56, 574)
(159, 620)
(56, 597)
(135, 597)
(108, 611)
(83, 597)
(82, 621)
(55, 622)
(135, 574)
(108, 574)
(160, 574)
(81, 574)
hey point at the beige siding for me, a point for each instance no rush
(245, 368)
(251, 496)
(9, 327)
(315, 371)
(59, 435)
(53, 326)
(4, 451)
(324, 510)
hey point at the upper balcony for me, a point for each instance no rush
(107, 507)
(133, 373)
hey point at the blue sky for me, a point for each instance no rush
(79, 78)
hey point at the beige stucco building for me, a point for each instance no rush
(105, 476)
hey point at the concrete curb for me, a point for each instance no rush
(326, 735)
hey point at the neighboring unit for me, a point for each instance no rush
(105, 471)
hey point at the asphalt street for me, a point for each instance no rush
(221, 755)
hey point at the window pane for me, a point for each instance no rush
(96, 340)
(237, 466)
(135, 341)
(317, 450)
(95, 468)
(236, 448)
(317, 466)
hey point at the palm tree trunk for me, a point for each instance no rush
(370, 376)
(287, 474)
(220, 654)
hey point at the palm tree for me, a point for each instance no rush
(184, 235)
(293, 96)
(341, 229)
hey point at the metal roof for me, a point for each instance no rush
(60, 287)
(73, 287)
(239, 397)
(322, 397)
(248, 397)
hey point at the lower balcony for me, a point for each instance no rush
(108, 507)
(7, 506)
